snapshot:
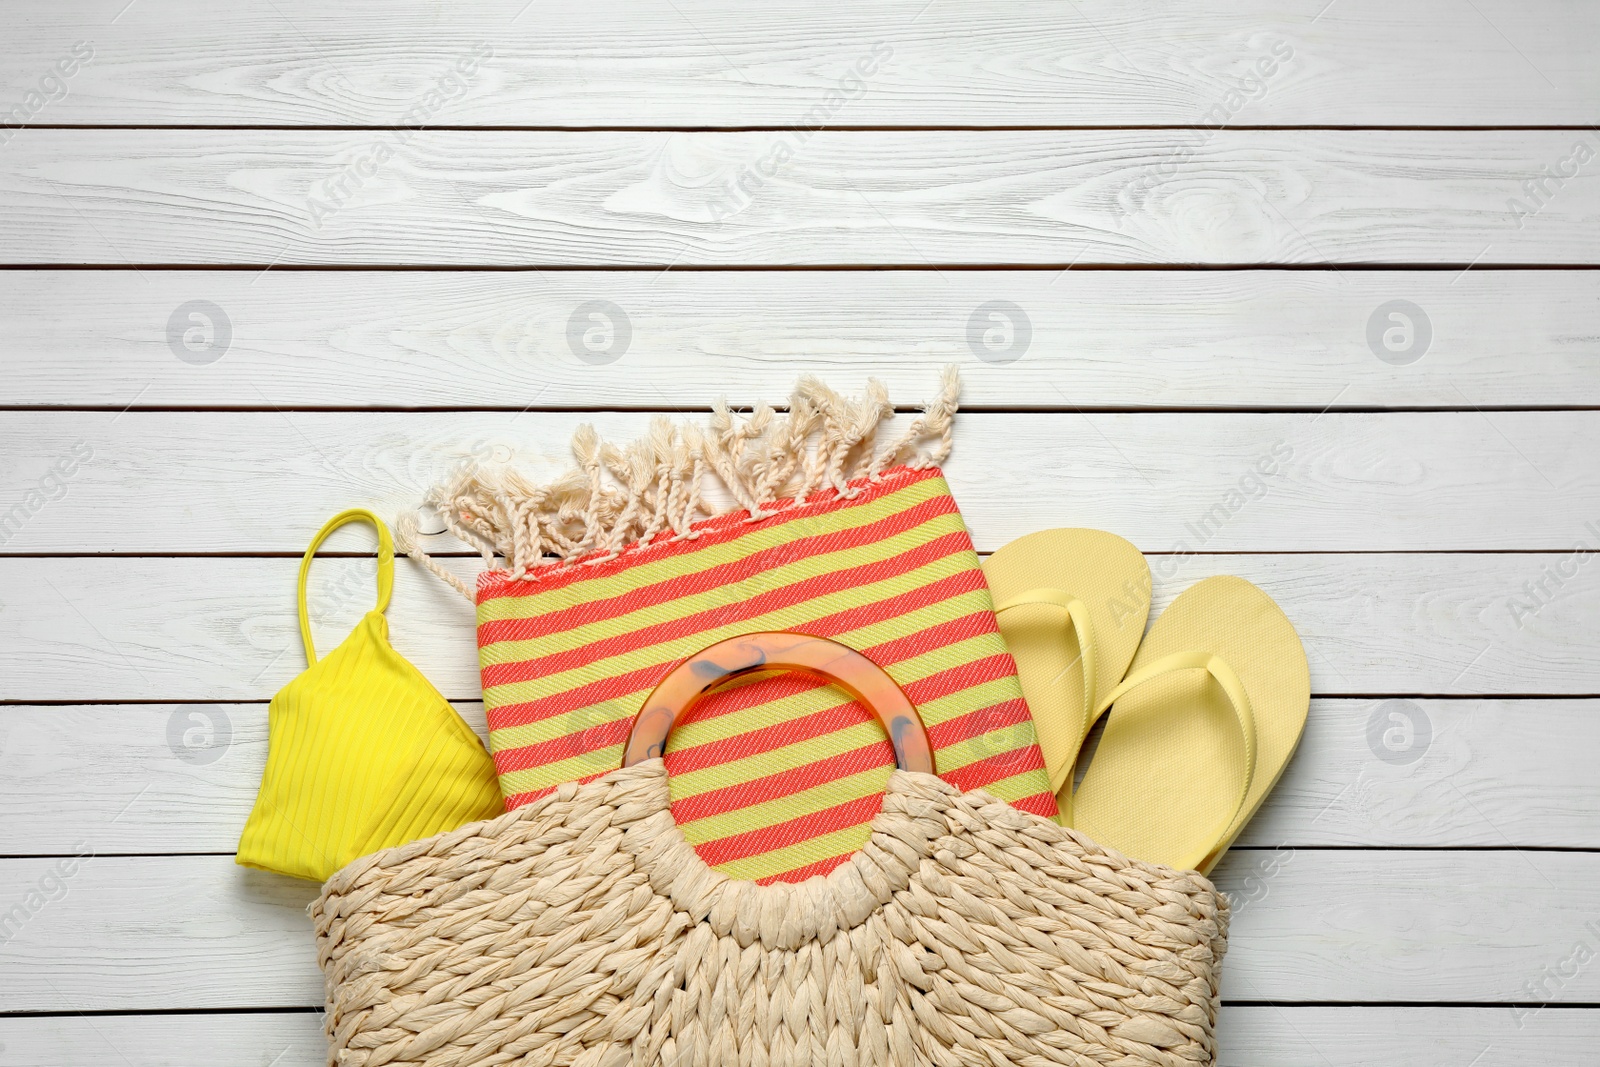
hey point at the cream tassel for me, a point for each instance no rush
(617, 497)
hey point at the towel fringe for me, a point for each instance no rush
(616, 497)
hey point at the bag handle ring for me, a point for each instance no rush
(716, 665)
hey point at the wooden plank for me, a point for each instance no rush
(137, 778)
(134, 933)
(718, 62)
(1178, 482)
(1272, 1036)
(143, 933)
(1178, 339)
(656, 199)
(1249, 1036)
(1410, 926)
(275, 1039)
(180, 778)
(1433, 773)
(218, 629)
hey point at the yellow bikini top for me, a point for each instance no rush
(362, 751)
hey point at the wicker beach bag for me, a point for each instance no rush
(584, 929)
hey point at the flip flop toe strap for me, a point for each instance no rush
(1244, 718)
(1083, 632)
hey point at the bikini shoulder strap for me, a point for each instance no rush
(385, 567)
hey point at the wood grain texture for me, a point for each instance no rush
(1272, 1036)
(1179, 339)
(719, 62)
(265, 1039)
(465, 198)
(1178, 482)
(1249, 1036)
(1324, 912)
(132, 933)
(1438, 774)
(181, 778)
(210, 629)
(138, 778)
(1410, 926)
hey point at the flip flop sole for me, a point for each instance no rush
(1169, 766)
(1112, 579)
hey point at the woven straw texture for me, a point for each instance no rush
(583, 929)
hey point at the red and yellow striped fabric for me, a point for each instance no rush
(778, 778)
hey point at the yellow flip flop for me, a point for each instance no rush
(1072, 606)
(1199, 731)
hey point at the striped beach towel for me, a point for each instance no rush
(777, 778)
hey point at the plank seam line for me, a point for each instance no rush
(1170, 127)
(312, 1009)
(966, 409)
(703, 268)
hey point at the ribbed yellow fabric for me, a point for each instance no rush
(363, 752)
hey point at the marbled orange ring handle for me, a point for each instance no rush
(718, 664)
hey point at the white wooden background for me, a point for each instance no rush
(1198, 215)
